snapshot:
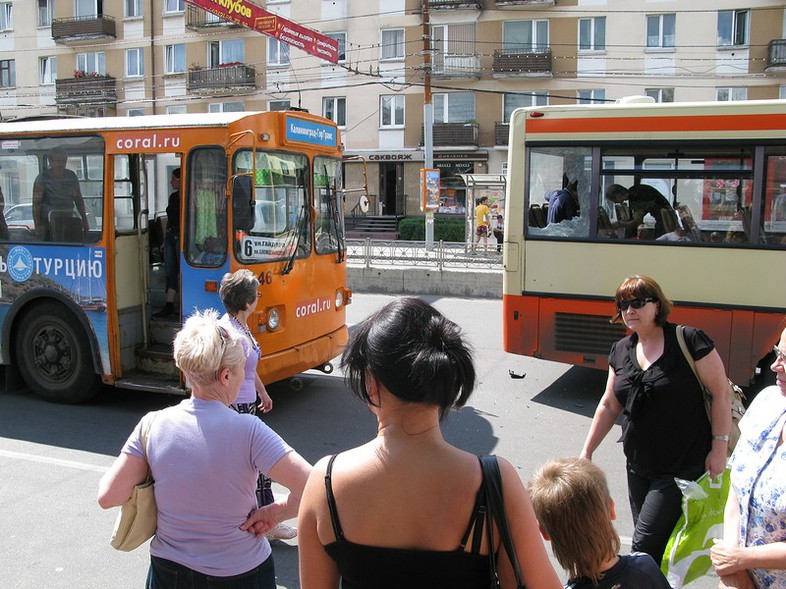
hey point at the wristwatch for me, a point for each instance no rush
(721, 438)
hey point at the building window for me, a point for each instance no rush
(335, 109)
(136, 112)
(7, 73)
(176, 109)
(342, 45)
(89, 8)
(454, 107)
(732, 27)
(225, 107)
(6, 16)
(526, 35)
(391, 44)
(277, 52)
(278, 104)
(513, 101)
(660, 94)
(133, 9)
(660, 30)
(175, 59)
(93, 62)
(135, 62)
(591, 96)
(226, 52)
(733, 93)
(174, 6)
(47, 70)
(44, 13)
(592, 34)
(391, 110)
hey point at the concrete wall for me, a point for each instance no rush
(426, 281)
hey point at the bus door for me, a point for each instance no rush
(204, 259)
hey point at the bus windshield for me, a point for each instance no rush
(271, 222)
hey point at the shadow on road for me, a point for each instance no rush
(577, 391)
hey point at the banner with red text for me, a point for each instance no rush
(278, 27)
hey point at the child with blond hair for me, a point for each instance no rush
(575, 511)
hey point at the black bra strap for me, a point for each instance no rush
(331, 500)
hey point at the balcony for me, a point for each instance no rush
(519, 63)
(454, 4)
(451, 65)
(221, 79)
(80, 30)
(91, 90)
(776, 56)
(501, 133)
(452, 134)
(198, 19)
(524, 3)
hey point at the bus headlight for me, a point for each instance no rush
(273, 319)
(339, 298)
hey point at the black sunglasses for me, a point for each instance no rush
(635, 303)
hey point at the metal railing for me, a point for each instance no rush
(442, 254)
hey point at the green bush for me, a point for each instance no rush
(414, 229)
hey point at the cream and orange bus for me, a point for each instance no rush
(702, 210)
(261, 191)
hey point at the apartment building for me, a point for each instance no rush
(485, 58)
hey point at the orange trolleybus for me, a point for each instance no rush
(702, 210)
(258, 190)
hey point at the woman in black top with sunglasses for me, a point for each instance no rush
(665, 429)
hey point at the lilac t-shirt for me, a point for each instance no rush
(205, 459)
(248, 390)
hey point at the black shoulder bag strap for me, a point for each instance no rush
(492, 479)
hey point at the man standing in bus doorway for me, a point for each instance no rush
(56, 190)
(482, 224)
(171, 248)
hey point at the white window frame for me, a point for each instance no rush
(538, 33)
(392, 107)
(334, 103)
(596, 96)
(174, 6)
(135, 70)
(731, 93)
(86, 8)
(391, 49)
(47, 70)
(92, 61)
(44, 13)
(8, 66)
(217, 52)
(522, 101)
(233, 106)
(176, 109)
(665, 38)
(442, 103)
(133, 8)
(658, 94)
(285, 103)
(171, 58)
(277, 53)
(6, 16)
(597, 28)
(342, 45)
(740, 26)
(135, 112)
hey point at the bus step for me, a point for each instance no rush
(138, 381)
(164, 331)
(157, 359)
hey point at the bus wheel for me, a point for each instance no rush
(53, 356)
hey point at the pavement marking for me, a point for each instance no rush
(53, 461)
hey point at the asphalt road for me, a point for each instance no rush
(53, 534)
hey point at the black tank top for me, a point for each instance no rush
(373, 567)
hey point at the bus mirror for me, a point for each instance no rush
(242, 203)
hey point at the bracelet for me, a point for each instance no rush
(721, 438)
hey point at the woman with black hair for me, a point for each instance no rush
(403, 509)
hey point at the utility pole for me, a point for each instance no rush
(428, 116)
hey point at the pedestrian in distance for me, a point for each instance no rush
(499, 232)
(205, 458)
(575, 511)
(394, 512)
(482, 224)
(665, 429)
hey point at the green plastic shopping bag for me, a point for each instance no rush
(687, 555)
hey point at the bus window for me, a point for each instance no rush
(329, 228)
(125, 217)
(774, 216)
(55, 184)
(281, 215)
(206, 197)
(559, 192)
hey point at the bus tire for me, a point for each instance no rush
(54, 357)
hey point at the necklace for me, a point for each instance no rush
(248, 333)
